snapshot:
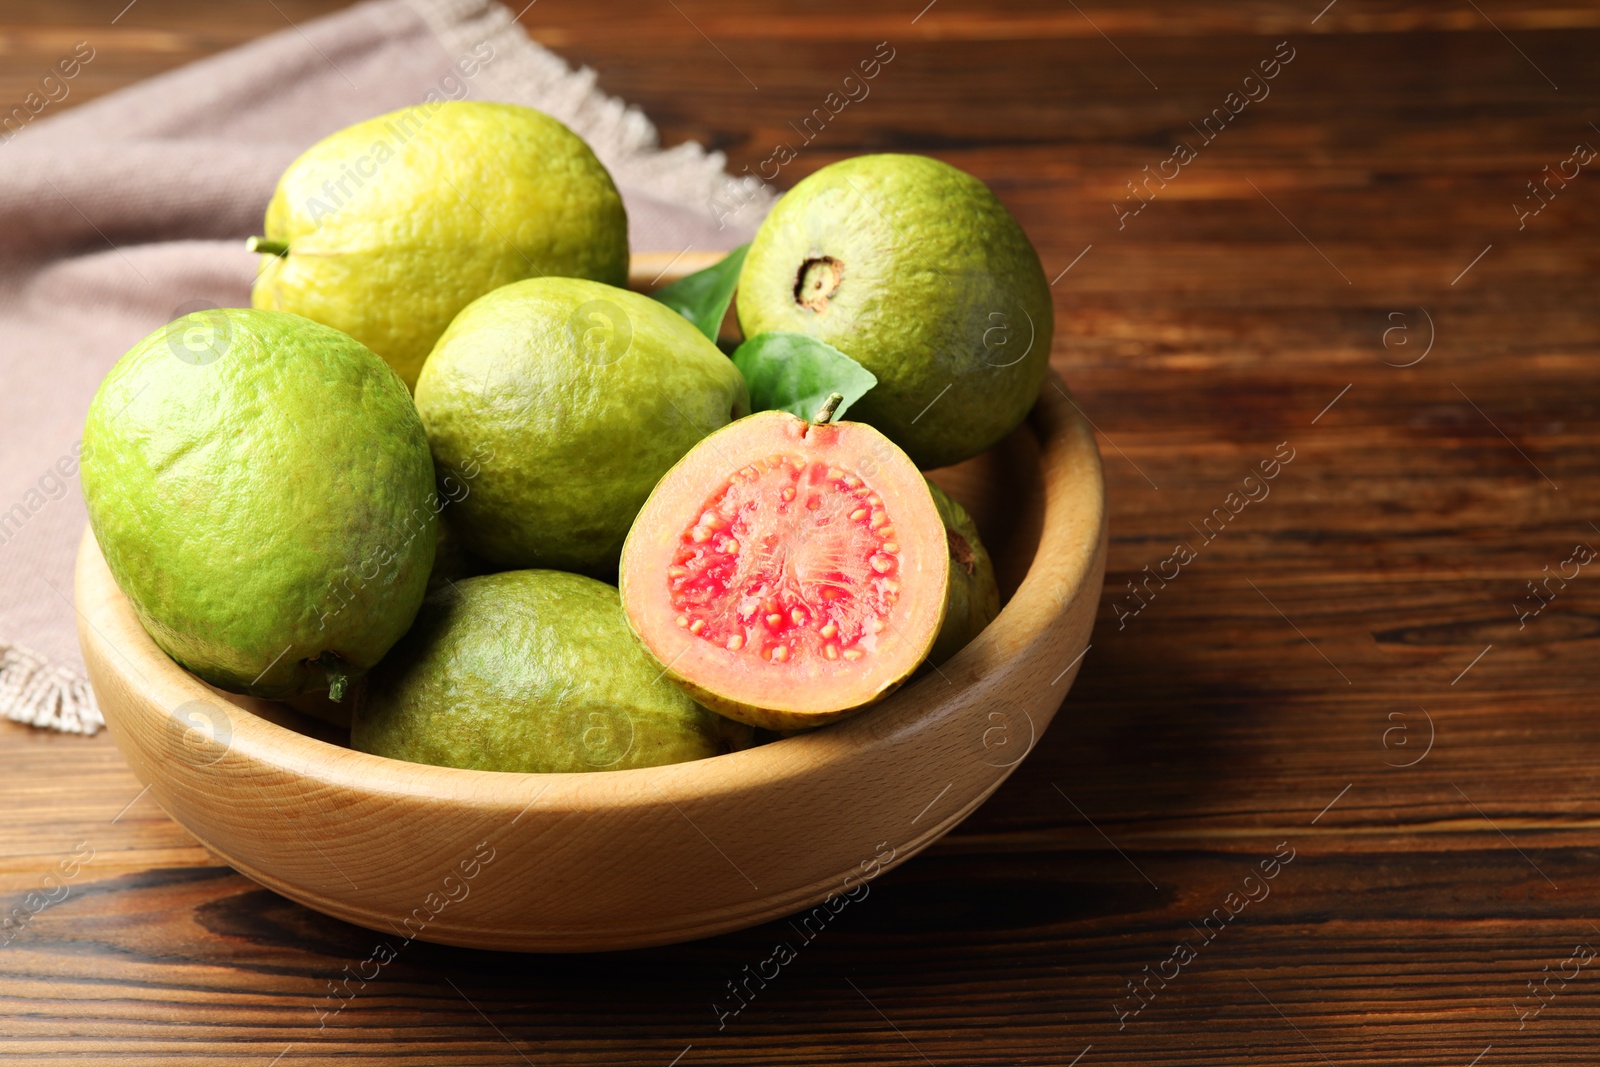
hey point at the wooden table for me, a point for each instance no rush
(1348, 675)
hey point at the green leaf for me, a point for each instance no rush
(703, 297)
(795, 373)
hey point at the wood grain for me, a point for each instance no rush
(1203, 732)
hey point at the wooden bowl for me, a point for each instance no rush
(622, 859)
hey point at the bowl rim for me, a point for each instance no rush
(1070, 548)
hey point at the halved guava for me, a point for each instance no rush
(788, 573)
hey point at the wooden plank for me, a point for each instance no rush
(1205, 730)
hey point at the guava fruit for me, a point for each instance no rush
(451, 561)
(318, 706)
(261, 488)
(788, 573)
(916, 271)
(388, 228)
(974, 596)
(559, 403)
(533, 671)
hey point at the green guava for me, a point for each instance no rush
(388, 228)
(532, 671)
(558, 403)
(451, 561)
(915, 270)
(261, 488)
(973, 599)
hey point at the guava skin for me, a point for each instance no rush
(973, 600)
(264, 498)
(451, 561)
(915, 270)
(533, 671)
(397, 223)
(583, 396)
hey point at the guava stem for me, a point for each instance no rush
(267, 247)
(338, 681)
(824, 414)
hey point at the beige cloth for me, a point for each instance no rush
(122, 214)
